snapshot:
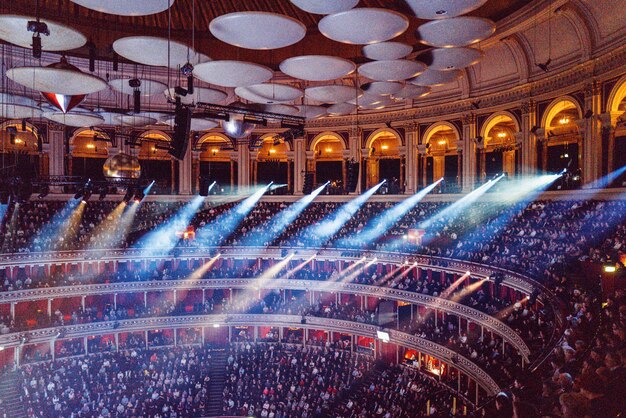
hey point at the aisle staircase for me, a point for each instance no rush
(10, 395)
(216, 385)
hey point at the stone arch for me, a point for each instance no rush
(378, 132)
(496, 118)
(617, 95)
(437, 127)
(271, 135)
(558, 105)
(324, 135)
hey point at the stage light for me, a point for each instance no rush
(165, 237)
(44, 191)
(610, 268)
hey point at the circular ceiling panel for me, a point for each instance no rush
(317, 67)
(340, 109)
(382, 88)
(257, 30)
(158, 116)
(56, 80)
(456, 31)
(147, 87)
(387, 51)
(282, 109)
(75, 118)
(200, 95)
(436, 78)
(443, 9)
(363, 26)
(150, 50)
(269, 93)
(411, 91)
(109, 117)
(232, 73)
(127, 7)
(18, 107)
(135, 121)
(391, 70)
(61, 38)
(366, 99)
(311, 112)
(331, 93)
(325, 7)
(381, 104)
(445, 59)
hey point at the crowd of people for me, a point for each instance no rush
(542, 239)
(162, 383)
(288, 381)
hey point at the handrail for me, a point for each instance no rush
(511, 279)
(46, 335)
(431, 302)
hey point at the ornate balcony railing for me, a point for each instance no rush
(47, 335)
(452, 308)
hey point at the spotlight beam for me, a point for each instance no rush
(453, 210)
(282, 219)
(389, 217)
(214, 232)
(298, 267)
(164, 238)
(329, 227)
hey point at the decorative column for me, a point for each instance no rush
(402, 178)
(56, 150)
(528, 138)
(422, 155)
(254, 155)
(299, 165)
(412, 139)
(310, 164)
(609, 124)
(184, 172)
(469, 151)
(243, 166)
(542, 141)
(195, 170)
(592, 134)
(354, 145)
(290, 156)
(345, 154)
(459, 166)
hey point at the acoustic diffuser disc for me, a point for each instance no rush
(363, 25)
(127, 7)
(13, 29)
(257, 30)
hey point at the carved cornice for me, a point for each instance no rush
(197, 321)
(599, 68)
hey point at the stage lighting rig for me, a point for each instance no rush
(38, 28)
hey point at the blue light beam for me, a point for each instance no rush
(282, 219)
(329, 227)
(166, 236)
(381, 224)
(214, 232)
(453, 210)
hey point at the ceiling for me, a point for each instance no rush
(103, 29)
